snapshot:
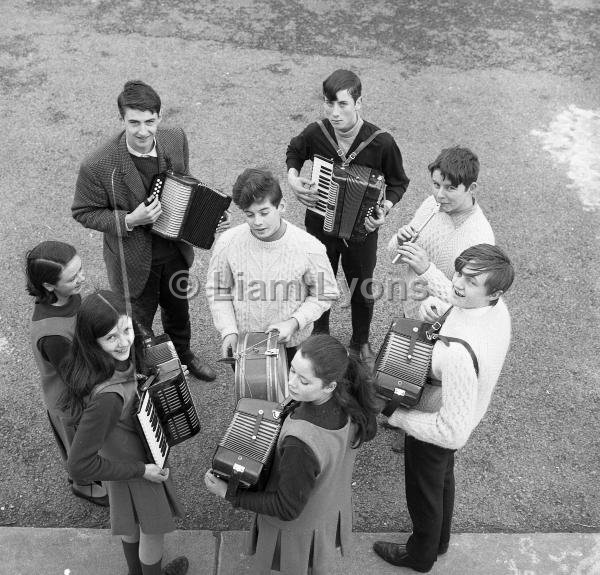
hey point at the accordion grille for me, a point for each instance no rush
(395, 362)
(174, 201)
(238, 437)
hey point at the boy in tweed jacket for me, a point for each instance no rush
(111, 189)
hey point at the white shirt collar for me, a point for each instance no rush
(151, 154)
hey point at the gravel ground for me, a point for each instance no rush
(242, 80)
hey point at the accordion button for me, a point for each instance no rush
(415, 329)
(260, 411)
(239, 457)
(254, 437)
(409, 356)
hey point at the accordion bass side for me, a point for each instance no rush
(191, 211)
(244, 454)
(346, 196)
(166, 415)
(403, 363)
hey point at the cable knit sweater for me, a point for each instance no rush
(252, 283)
(447, 415)
(443, 238)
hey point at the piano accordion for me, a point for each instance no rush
(191, 211)
(166, 407)
(347, 194)
(244, 454)
(403, 362)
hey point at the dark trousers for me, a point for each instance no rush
(429, 475)
(167, 286)
(358, 263)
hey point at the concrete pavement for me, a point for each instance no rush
(38, 551)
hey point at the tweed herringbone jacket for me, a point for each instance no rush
(109, 187)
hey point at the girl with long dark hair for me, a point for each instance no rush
(305, 511)
(101, 386)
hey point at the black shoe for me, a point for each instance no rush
(395, 553)
(201, 370)
(178, 566)
(102, 501)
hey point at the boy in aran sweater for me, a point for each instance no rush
(446, 416)
(457, 224)
(267, 274)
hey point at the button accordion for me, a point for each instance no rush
(403, 363)
(261, 369)
(191, 211)
(245, 452)
(166, 415)
(347, 194)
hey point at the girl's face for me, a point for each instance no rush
(304, 385)
(118, 341)
(70, 281)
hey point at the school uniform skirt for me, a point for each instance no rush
(152, 506)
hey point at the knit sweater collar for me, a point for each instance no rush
(472, 312)
(273, 244)
(345, 139)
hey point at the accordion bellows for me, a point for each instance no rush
(191, 211)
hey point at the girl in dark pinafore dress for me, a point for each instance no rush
(305, 512)
(101, 385)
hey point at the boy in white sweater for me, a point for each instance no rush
(456, 225)
(445, 417)
(267, 274)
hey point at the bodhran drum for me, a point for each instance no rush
(261, 369)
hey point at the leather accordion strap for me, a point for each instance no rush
(340, 153)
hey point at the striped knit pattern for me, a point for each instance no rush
(447, 415)
(95, 205)
(252, 283)
(443, 238)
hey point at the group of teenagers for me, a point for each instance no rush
(88, 350)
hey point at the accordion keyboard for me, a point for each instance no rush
(152, 430)
(322, 175)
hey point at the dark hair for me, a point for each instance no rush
(342, 80)
(138, 95)
(354, 391)
(485, 258)
(45, 264)
(88, 364)
(256, 185)
(459, 165)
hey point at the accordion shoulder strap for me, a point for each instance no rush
(446, 339)
(336, 147)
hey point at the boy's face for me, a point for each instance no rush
(140, 128)
(469, 290)
(264, 218)
(452, 199)
(343, 111)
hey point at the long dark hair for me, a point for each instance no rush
(88, 364)
(45, 264)
(354, 391)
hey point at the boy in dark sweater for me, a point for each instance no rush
(342, 104)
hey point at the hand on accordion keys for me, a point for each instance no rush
(224, 223)
(214, 484)
(372, 223)
(304, 189)
(145, 213)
